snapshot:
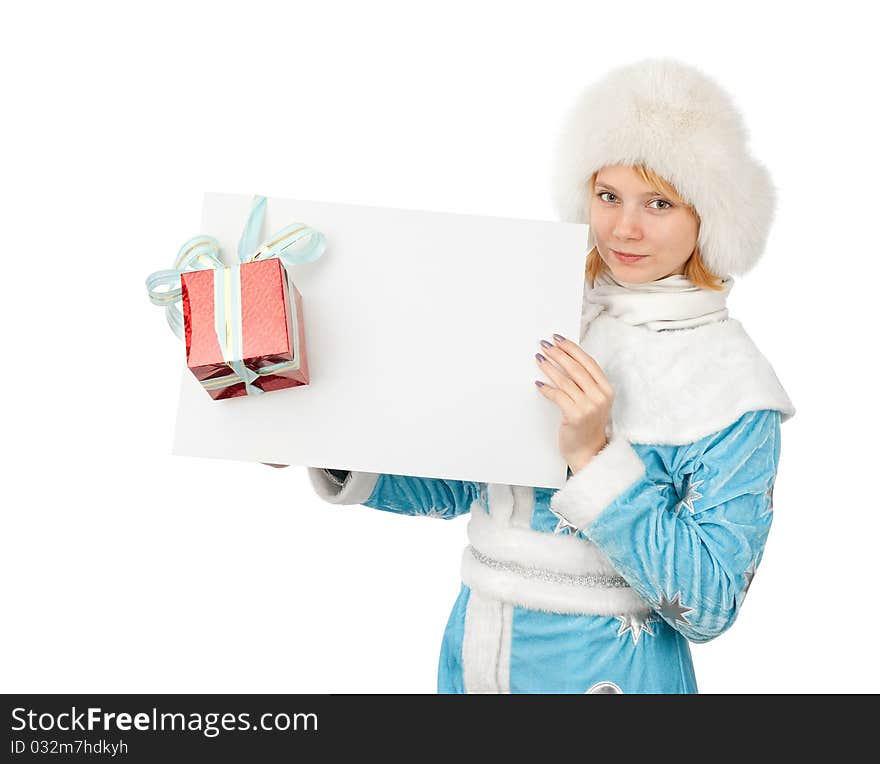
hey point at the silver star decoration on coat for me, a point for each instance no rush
(635, 624)
(563, 525)
(750, 574)
(434, 512)
(770, 494)
(674, 609)
(691, 496)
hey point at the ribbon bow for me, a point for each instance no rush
(202, 253)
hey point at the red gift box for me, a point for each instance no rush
(272, 331)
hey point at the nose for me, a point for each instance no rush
(626, 224)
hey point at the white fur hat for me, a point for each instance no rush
(672, 118)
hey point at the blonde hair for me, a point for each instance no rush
(694, 269)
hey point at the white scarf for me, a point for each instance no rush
(673, 302)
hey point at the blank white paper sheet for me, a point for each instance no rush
(421, 332)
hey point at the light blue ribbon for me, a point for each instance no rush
(203, 253)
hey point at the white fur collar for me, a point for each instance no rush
(675, 387)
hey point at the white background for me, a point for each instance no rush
(125, 569)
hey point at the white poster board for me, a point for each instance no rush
(421, 333)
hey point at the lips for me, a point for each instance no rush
(627, 258)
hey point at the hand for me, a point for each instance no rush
(584, 397)
(269, 464)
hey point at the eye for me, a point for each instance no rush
(662, 201)
(602, 193)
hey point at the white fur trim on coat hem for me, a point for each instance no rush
(593, 487)
(356, 489)
(485, 648)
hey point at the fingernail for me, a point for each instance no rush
(539, 383)
(559, 338)
(540, 357)
(546, 344)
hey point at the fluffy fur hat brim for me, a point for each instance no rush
(672, 118)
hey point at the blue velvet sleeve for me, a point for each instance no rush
(431, 497)
(689, 534)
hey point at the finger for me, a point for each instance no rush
(578, 373)
(561, 380)
(578, 353)
(566, 405)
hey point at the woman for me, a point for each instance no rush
(670, 417)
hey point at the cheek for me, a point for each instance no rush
(683, 232)
(674, 237)
(599, 221)
(681, 245)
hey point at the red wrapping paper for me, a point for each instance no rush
(267, 328)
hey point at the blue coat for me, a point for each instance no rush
(600, 586)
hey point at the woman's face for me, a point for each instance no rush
(628, 216)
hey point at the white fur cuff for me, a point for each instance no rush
(591, 489)
(357, 488)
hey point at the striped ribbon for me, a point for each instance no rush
(203, 253)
